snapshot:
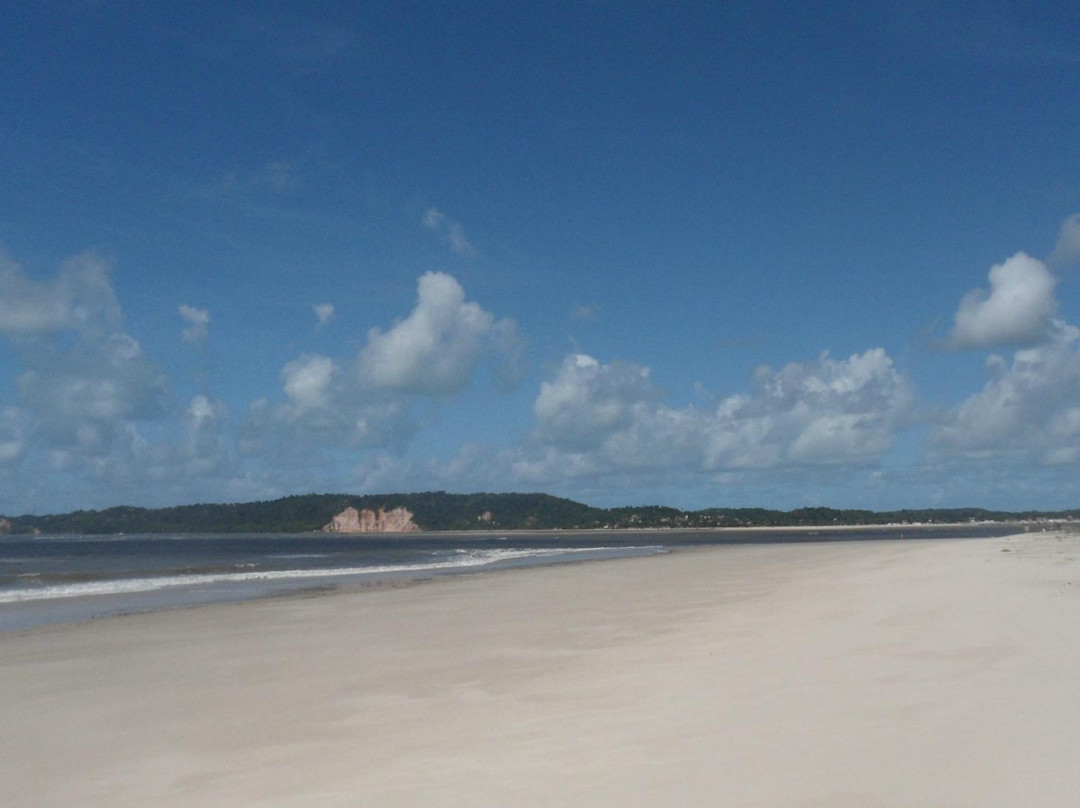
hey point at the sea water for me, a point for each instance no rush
(51, 579)
(48, 579)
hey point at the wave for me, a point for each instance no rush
(129, 586)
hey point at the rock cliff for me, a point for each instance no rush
(350, 520)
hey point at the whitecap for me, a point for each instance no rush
(467, 558)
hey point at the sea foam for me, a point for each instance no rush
(124, 586)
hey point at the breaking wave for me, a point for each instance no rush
(463, 559)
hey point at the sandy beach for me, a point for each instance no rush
(917, 673)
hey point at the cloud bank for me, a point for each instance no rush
(85, 389)
(93, 414)
(1029, 408)
(594, 418)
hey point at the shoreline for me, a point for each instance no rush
(1027, 526)
(891, 526)
(935, 672)
(256, 575)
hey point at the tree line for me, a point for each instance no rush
(440, 511)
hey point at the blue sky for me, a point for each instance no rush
(769, 254)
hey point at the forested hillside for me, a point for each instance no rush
(438, 511)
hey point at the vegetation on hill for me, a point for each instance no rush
(437, 511)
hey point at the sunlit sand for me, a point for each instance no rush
(918, 673)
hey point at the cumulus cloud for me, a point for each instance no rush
(203, 411)
(435, 350)
(821, 412)
(80, 298)
(1029, 406)
(1067, 250)
(1017, 310)
(586, 402)
(593, 418)
(307, 382)
(100, 375)
(90, 409)
(104, 380)
(84, 382)
(449, 230)
(118, 462)
(367, 401)
(324, 313)
(198, 323)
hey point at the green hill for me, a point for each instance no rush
(439, 511)
(433, 510)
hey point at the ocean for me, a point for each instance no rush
(55, 579)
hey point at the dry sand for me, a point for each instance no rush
(919, 673)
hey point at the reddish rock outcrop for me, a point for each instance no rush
(350, 520)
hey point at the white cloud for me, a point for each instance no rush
(594, 419)
(1030, 406)
(822, 412)
(449, 230)
(586, 402)
(1067, 250)
(203, 411)
(1029, 409)
(79, 298)
(198, 321)
(1017, 310)
(435, 350)
(84, 382)
(324, 313)
(307, 382)
(101, 382)
(367, 402)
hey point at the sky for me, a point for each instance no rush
(743, 254)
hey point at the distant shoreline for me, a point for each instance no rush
(440, 512)
(1054, 525)
(618, 531)
(1026, 527)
